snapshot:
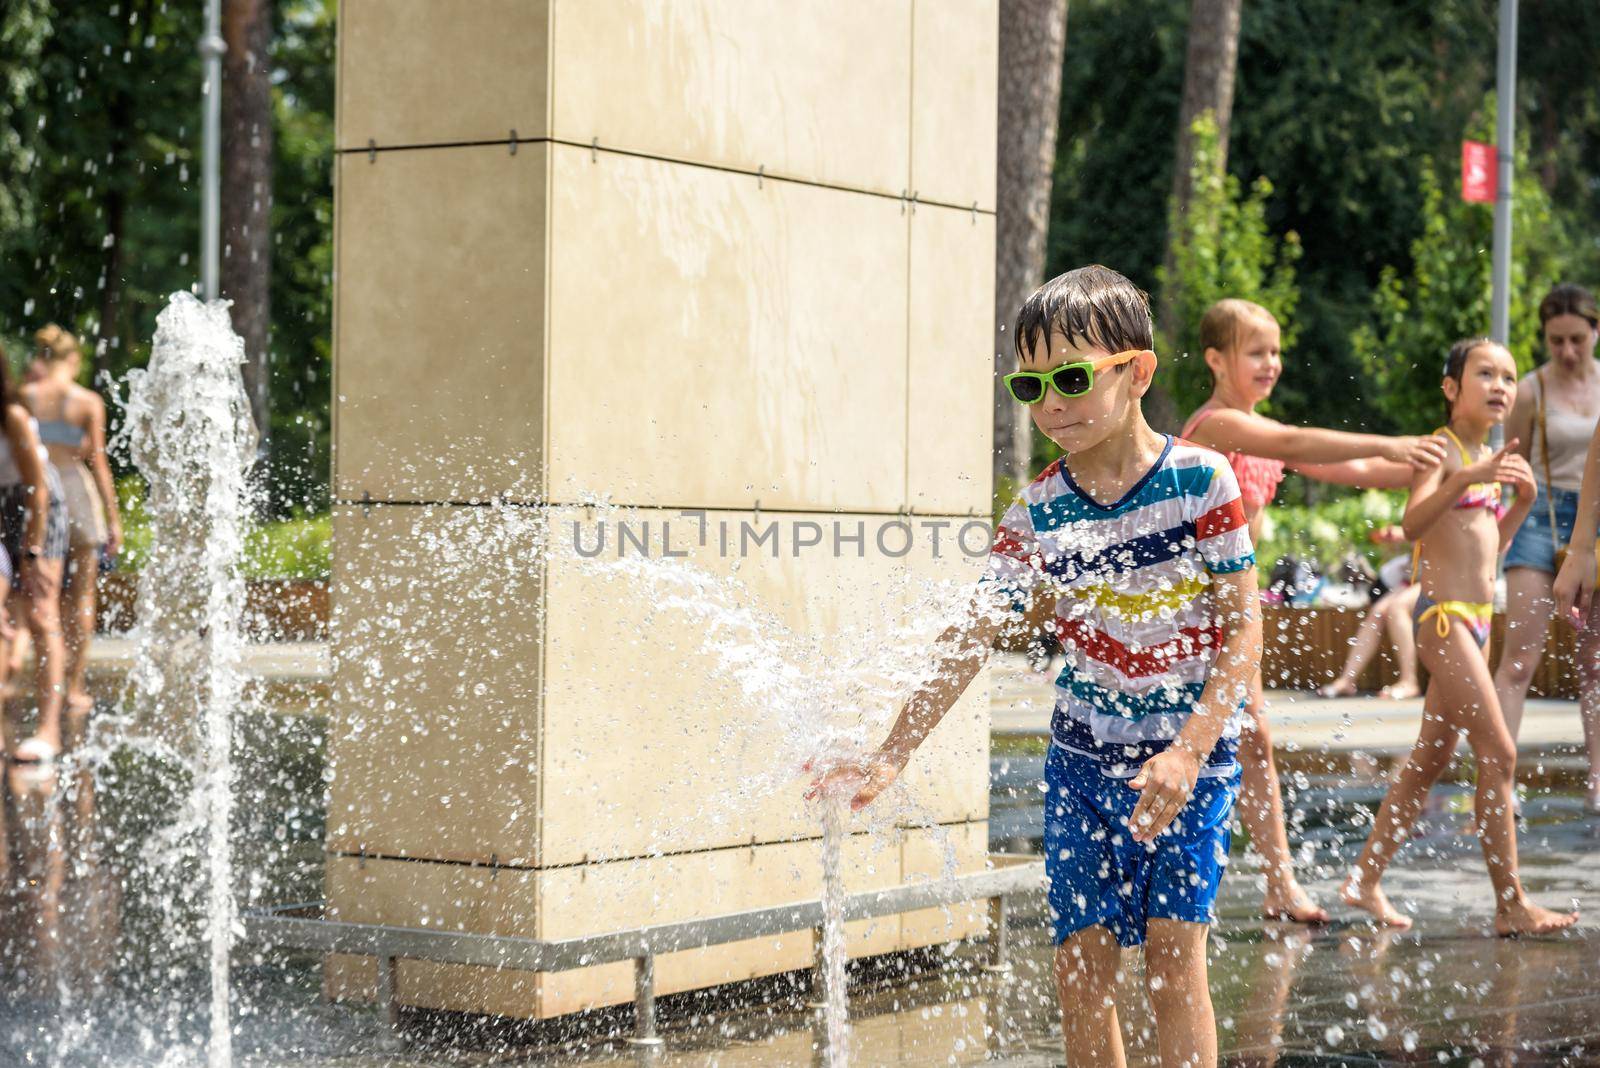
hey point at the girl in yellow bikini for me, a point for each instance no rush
(1461, 525)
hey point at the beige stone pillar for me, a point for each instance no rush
(712, 254)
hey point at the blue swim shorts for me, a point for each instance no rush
(1100, 875)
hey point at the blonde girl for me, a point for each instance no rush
(1242, 347)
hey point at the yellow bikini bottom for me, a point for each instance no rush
(1476, 616)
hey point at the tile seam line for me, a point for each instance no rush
(733, 847)
(628, 153)
(360, 502)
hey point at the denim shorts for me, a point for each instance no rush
(1533, 545)
(1100, 876)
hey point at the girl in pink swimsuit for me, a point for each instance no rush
(1241, 345)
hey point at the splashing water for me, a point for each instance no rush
(189, 431)
(836, 1005)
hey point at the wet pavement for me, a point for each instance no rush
(94, 975)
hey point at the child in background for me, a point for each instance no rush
(1242, 349)
(1143, 541)
(1460, 527)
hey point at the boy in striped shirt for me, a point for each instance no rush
(1142, 540)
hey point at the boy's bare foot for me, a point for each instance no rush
(1400, 693)
(1524, 917)
(1292, 903)
(1372, 899)
(1337, 688)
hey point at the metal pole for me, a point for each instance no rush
(1505, 148)
(644, 1002)
(211, 48)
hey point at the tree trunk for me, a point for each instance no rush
(109, 328)
(1033, 36)
(247, 190)
(1208, 70)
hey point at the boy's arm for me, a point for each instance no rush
(965, 646)
(1167, 779)
(1234, 431)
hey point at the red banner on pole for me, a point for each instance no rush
(1478, 172)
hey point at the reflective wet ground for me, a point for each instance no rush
(92, 975)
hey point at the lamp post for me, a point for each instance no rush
(211, 48)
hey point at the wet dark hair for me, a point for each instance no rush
(1091, 305)
(1455, 365)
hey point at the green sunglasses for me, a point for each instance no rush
(1070, 379)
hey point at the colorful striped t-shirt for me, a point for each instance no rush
(1134, 612)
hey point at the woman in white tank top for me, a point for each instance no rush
(1557, 410)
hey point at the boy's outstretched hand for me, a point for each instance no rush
(1166, 782)
(861, 778)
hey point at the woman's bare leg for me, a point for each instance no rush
(1529, 606)
(1589, 700)
(1261, 808)
(1362, 650)
(44, 623)
(1397, 623)
(78, 601)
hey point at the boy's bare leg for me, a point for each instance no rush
(1261, 807)
(1180, 995)
(1088, 964)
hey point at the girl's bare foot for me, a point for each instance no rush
(1524, 917)
(1292, 903)
(1372, 899)
(1398, 692)
(1337, 688)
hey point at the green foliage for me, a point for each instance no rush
(1418, 313)
(1325, 532)
(1340, 104)
(1225, 249)
(299, 546)
(100, 108)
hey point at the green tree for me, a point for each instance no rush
(1444, 295)
(1223, 248)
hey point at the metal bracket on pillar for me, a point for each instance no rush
(513, 142)
(819, 973)
(594, 150)
(902, 202)
(644, 1002)
(761, 176)
(366, 503)
(372, 150)
(913, 202)
(999, 942)
(974, 213)
(389, 1000)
